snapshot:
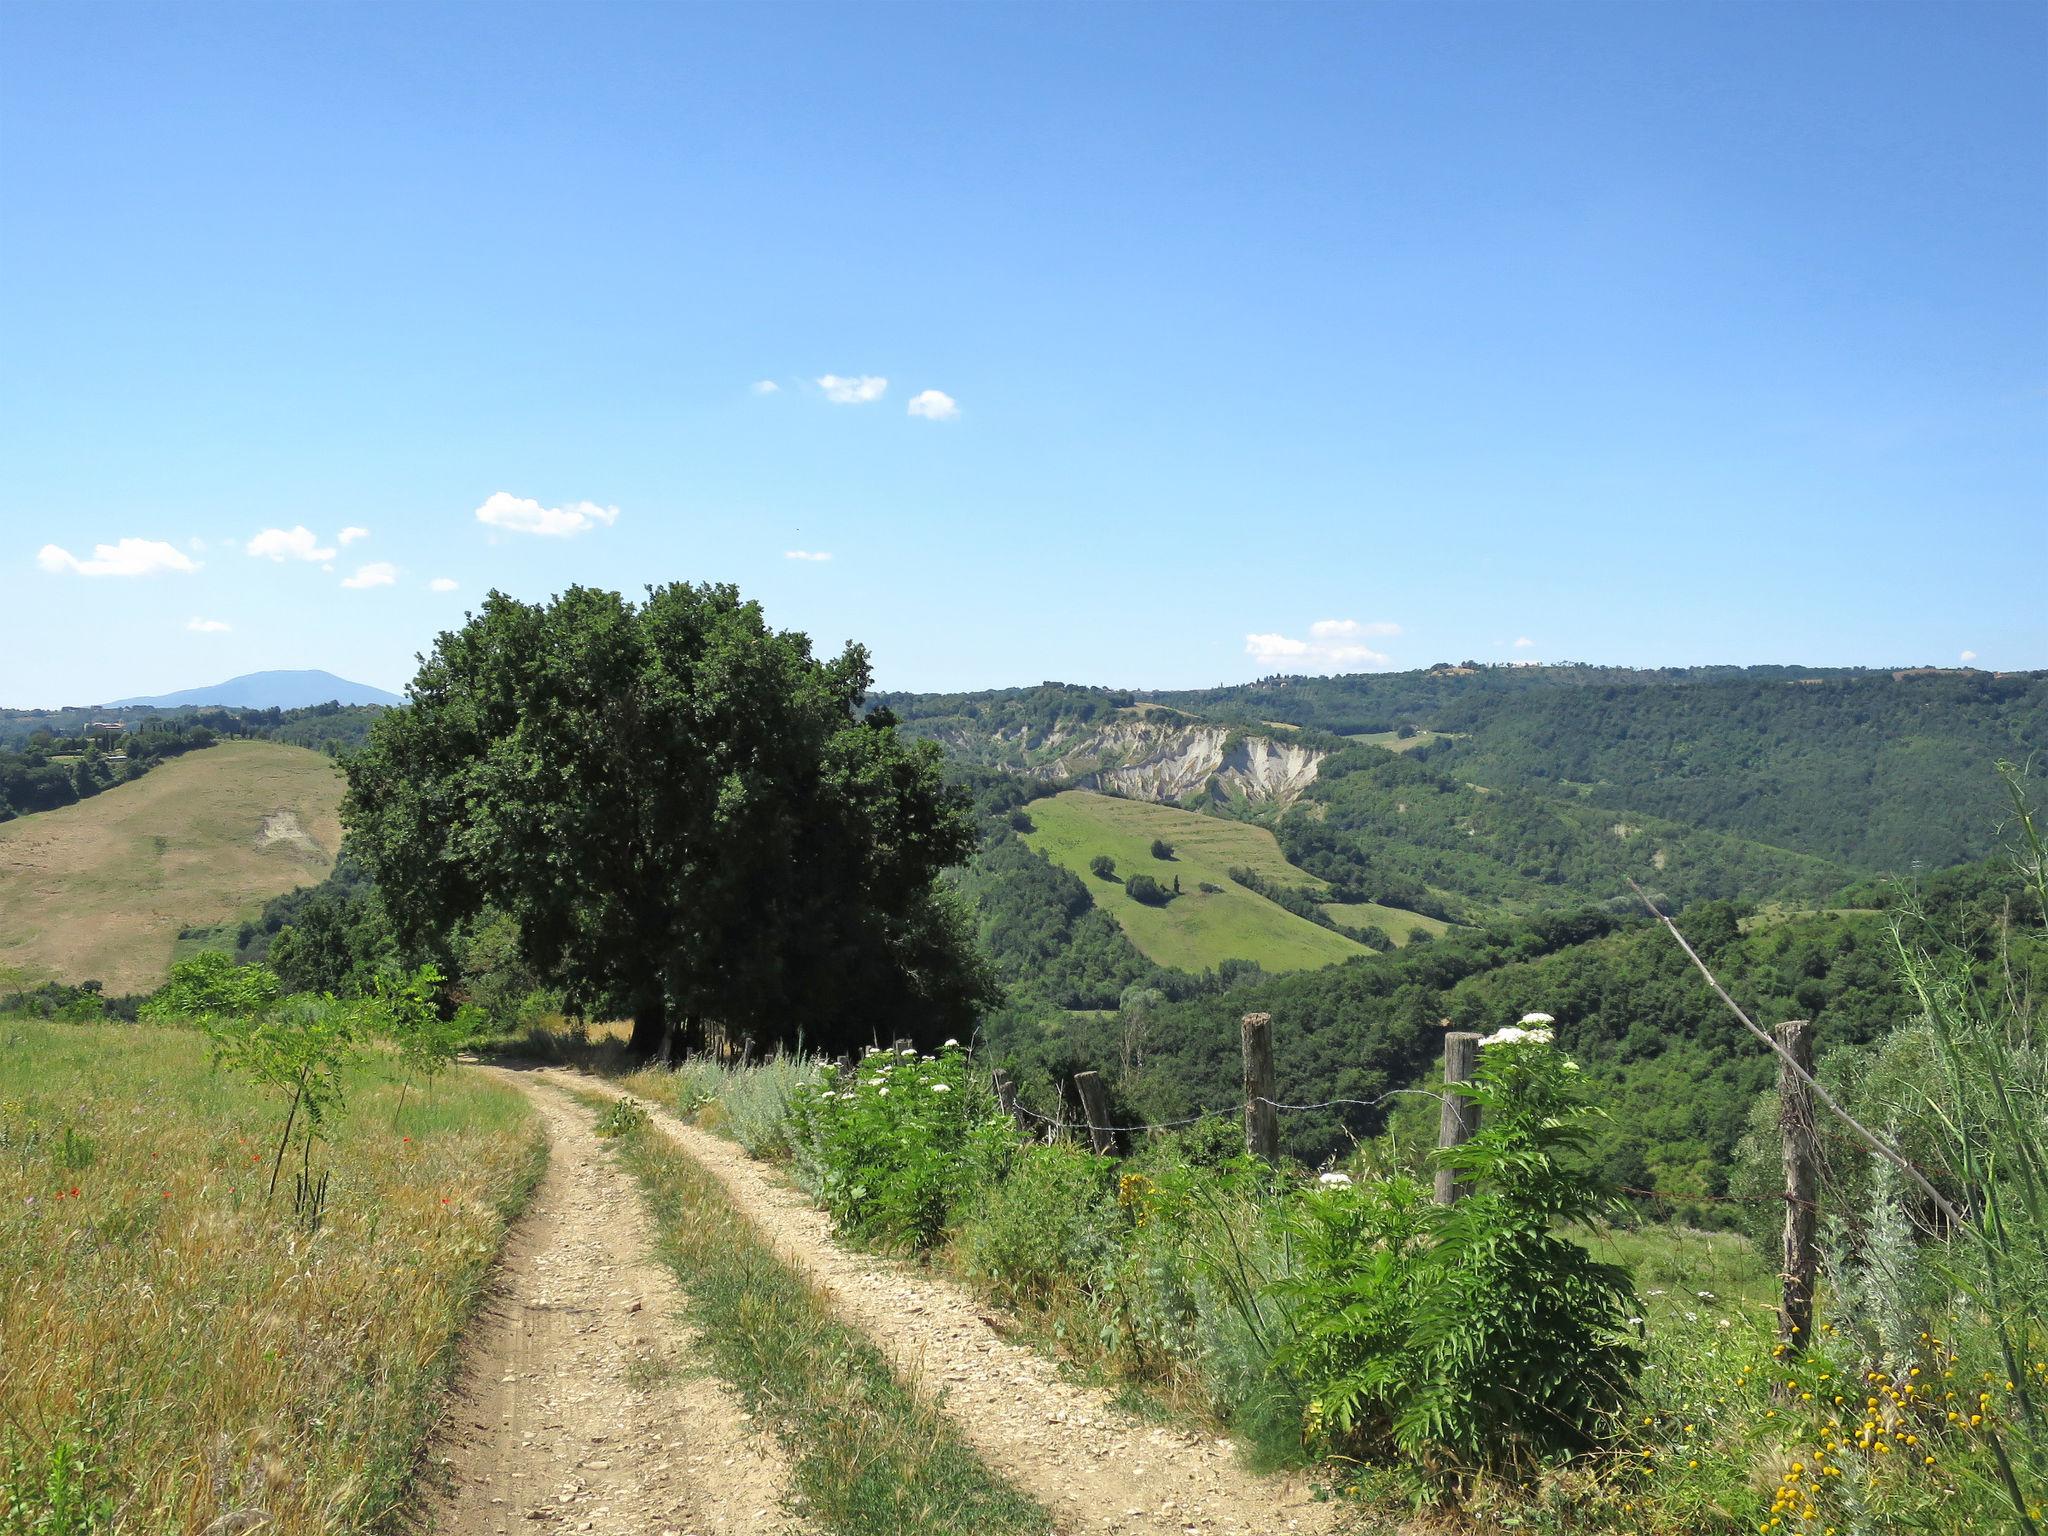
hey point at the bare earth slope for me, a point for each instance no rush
(580, 1409)
(1098, 1469)
(100, 889)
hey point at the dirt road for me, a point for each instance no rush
(1094, 1466)
(579, 1407)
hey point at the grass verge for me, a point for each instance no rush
(870, 1456)
(172, 1347)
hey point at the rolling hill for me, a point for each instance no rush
(269, 690)
(101, 890)
(1214, 918)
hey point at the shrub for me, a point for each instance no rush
(1103, 867)
(1161, 848)
(1474, 1337)
(901, 1149)
(1050, 1228)
(759, 1101)
(1144, 888)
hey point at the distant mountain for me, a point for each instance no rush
(269, 690)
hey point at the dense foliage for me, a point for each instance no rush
(685, 814)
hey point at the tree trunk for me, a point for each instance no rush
(650, 1028)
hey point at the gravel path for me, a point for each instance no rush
(1095, 1467)
(578, 1407)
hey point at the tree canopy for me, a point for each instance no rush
(685, 814)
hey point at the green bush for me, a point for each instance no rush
(1050, 1228)
(1144, 888)
(1102, 866)
(1477, 1336)
(897, 1152)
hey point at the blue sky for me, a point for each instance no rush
(1303, 338)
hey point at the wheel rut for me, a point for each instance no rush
(579, 1406)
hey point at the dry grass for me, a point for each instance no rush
(196, 1351)
(99, 890)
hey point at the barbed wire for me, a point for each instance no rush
(1221, 1114)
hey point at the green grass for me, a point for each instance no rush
(870, 1457)
(191, 1344)
(1200, 929)
(101, 890)
(1394, 741)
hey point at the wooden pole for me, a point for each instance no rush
(1460, 1115)
(1801, 1153)
(1261, 1119)
(1095, 1105)
(1006, 1100)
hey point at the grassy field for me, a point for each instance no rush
(100, 890)
(1394, 741)
(172, 1349)
(1202, 927)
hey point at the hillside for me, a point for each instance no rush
(101, 889)
(269, 690)
(1869, 770)
(1214, 918)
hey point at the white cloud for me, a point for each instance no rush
(206, 626)
(1273, 647)
(441, 584)
(859, 390)
(129, 557)
(934, 405)
(766, 387)
(1523, 642)
(1969, 656)
(1332, 645)
(282, 544)
(806, 554)
(379, 573)
(195, 543)
(348, 536)
(522, 514)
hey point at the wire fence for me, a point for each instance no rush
(1233, 1113)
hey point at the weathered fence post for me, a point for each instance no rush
(1006, 1100)
(1796, 1132)
(1261, 1119)
(1095, 1105)
(1460, 1116)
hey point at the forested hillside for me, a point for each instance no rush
(1870, 770)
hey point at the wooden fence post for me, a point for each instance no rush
(1095, 1105)
(1006, 1100)
(1796, 1131)
(1261, 1119)
(1460, 1116)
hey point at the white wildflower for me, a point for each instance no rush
(950, 1043)
(942, 1088)
(1514, 1034)
(885, 1093)
(1704, 1295)
(1537, 1018)
(1335, 1180)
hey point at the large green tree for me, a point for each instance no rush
(685, 813)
